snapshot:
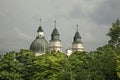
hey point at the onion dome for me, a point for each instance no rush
(40, 44)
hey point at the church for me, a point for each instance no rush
(40, 45)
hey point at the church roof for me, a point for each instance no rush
(77, 37)
(55, 31)
(40, 29)
(39, 45)
(55, 34)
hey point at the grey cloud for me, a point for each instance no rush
(108, 12)
(21, 35)
(19, 20)
(76, 13)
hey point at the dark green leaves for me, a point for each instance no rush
(114, 33)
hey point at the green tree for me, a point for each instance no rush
(94, 68)
(118, 65)
(78, 68)
(26, 58)
(85, 67)
(50, 66)
(117, 58)
(106, 57)
(10, 69)
(114, 34)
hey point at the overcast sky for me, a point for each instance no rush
(19, 21)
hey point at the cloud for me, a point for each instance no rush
(107, 12)
(19, 20)
(21, 35)
(14, 39)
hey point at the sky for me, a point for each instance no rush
(20, 19)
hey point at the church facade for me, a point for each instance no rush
(40, 45)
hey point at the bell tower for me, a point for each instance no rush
(77, 44)
(55, 42)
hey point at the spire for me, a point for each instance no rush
(77, 27)
(55, 23)
(55, 31)
(55, 34)
(77, 37)
(40, 31)
(40, 27)
(40, 21)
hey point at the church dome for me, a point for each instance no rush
(39, 45)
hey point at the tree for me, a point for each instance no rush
(50, 66)
(106, 57)
(85, 66)
(26, 58)
(94, 67)
(78, 66)
(114, 34)
(118, 66)
(10, 69)
(117, 58)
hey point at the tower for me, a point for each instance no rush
(77, 44)
(55, 42)
(40, 44)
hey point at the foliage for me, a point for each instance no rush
(10, 69)
(117, 58)
(26, 58)
(106, 56)
(50, 66)
(85, 67)
(102, 64)
(114, 33)
(78, 63)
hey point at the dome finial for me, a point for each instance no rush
(55, 23)
(77, 27)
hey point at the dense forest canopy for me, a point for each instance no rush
(102, 64)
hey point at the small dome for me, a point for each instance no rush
(77, 38)
(77, 35)
(55, 35)
(39, 45)
(55, 32)
(40, 29)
